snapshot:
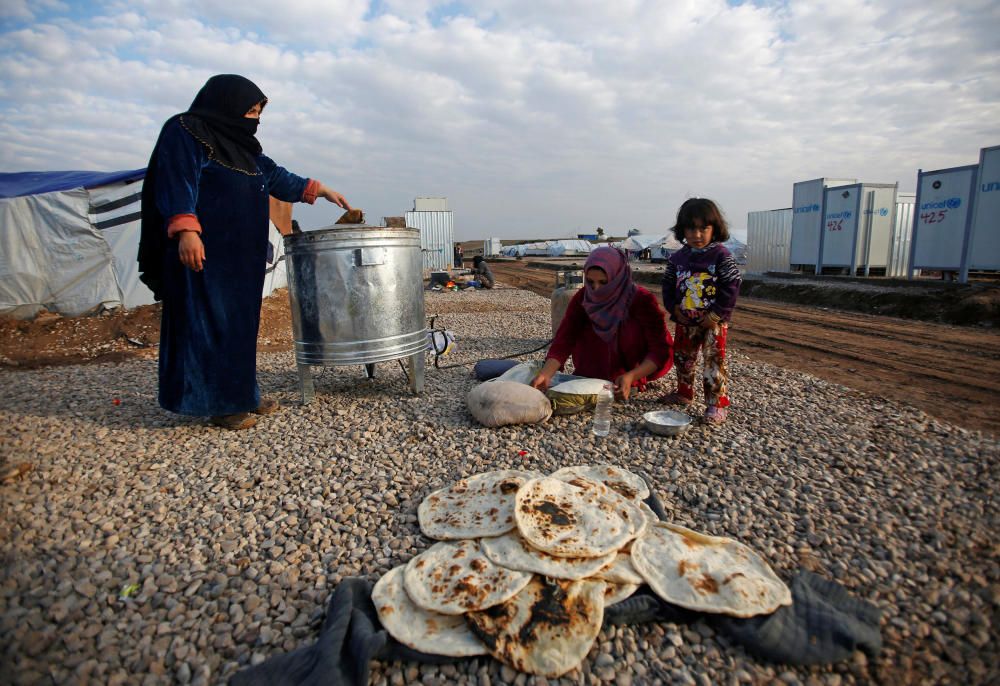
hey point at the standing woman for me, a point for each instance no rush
(613, 328)
(204, 246)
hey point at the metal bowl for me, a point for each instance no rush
(666, 422)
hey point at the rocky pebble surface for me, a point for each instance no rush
(139, 547)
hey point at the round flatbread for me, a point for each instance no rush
(620, 571)
(420, 629)
(481, 505)
(615, 593)
(651, 517)
(617, 479)
(452, 578)
(707, 573)
(566, 520)
(546, 629)
(513, 552)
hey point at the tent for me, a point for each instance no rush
(639, 242)
(68, 243)
(553, 248)
(569, 247)
(662, 249)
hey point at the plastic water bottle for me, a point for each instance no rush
(602, 412)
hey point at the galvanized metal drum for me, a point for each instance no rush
(357, 297)
(567, 284)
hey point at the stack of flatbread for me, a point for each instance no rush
(526, 564)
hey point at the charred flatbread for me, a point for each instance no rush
(420, 629)
(513, 552)
(707, 573)
(568, 520)
(480, 505)
(617, 479)
(455, 577)
(547, 628)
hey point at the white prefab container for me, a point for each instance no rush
(430, 205)
(984, 239)
(492, 247)
(942, 218)
(769, 237)
(899, 245)
(807, 219)
(437, 238)
(857, 227)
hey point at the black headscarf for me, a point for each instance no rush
(216, 120)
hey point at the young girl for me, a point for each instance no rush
(700, 287)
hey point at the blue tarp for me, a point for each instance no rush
(31, 183)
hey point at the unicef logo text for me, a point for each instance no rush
(846, 214)
(807, 208)
(950, 204)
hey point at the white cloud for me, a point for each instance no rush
(532, 119)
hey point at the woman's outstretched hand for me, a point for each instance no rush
(541, 382)
(543, 379)
(623, 385)
(191, 250)
(333, 196)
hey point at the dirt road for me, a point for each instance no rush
(949, 372)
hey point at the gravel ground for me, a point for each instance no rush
(235, 540)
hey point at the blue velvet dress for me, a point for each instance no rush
(208, 334)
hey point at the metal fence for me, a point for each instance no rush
(769, 236)
(437, 238)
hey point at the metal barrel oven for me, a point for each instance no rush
(357, 298)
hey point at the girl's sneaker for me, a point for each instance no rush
(715, 414)
(675, 398)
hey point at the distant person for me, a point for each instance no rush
(700, 286)
(482, 275)
(613, 328)
(458, 257)
(204, 245)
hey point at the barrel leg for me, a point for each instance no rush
(306, 383)
(370, 370)
(416, 364)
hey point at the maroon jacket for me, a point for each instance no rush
(644, 334)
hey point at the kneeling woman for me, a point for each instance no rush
(614, 329)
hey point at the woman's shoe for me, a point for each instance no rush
(675, 399)
(234, 422)
(715, 415)
(267, 406)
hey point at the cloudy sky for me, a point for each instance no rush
(534, 118)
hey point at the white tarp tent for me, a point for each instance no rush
(554, 248)
(572, 246)
(640, 242)
(663, 248)
(68, 243)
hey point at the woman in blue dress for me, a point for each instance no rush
(204, 247)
